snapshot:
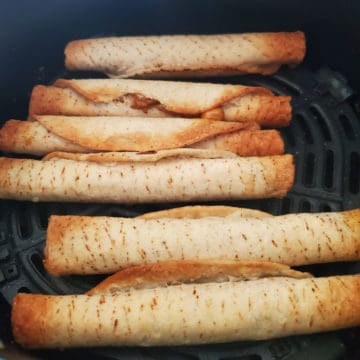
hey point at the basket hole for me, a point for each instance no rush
(305, 206)
(325, 208)
(287, 87)
(329, 169)
(309, 169)
(289, 137)
(24, 289)
(25, 226)
(37, 261)
(114, 214)
(11, 272)
(321, 122)
(354, 179)
(160, 354)
(43, 215)
(348, 129)
(242, 357)
(305, 129)
(285, 205)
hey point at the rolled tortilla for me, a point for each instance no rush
(146, 98)
(134, 134)
(45, 136)
(91, 245)
(187, 55)
(113, 158)
(185, 272)
(189, 313)
(184, 175)
(200, 211)
(246, 143)
(30, 137)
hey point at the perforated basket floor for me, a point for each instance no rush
(324, 137)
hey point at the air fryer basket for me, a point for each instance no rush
(324, 137)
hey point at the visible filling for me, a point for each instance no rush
(140, 102)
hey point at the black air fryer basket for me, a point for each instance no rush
(324, 137)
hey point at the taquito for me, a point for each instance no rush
(200, 211)
(87, 134)
(187, 55)
(91, 244)
(164, 176)
(167, 273)
(146, 98)
(218, 306)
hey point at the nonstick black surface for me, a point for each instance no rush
(324, 136)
